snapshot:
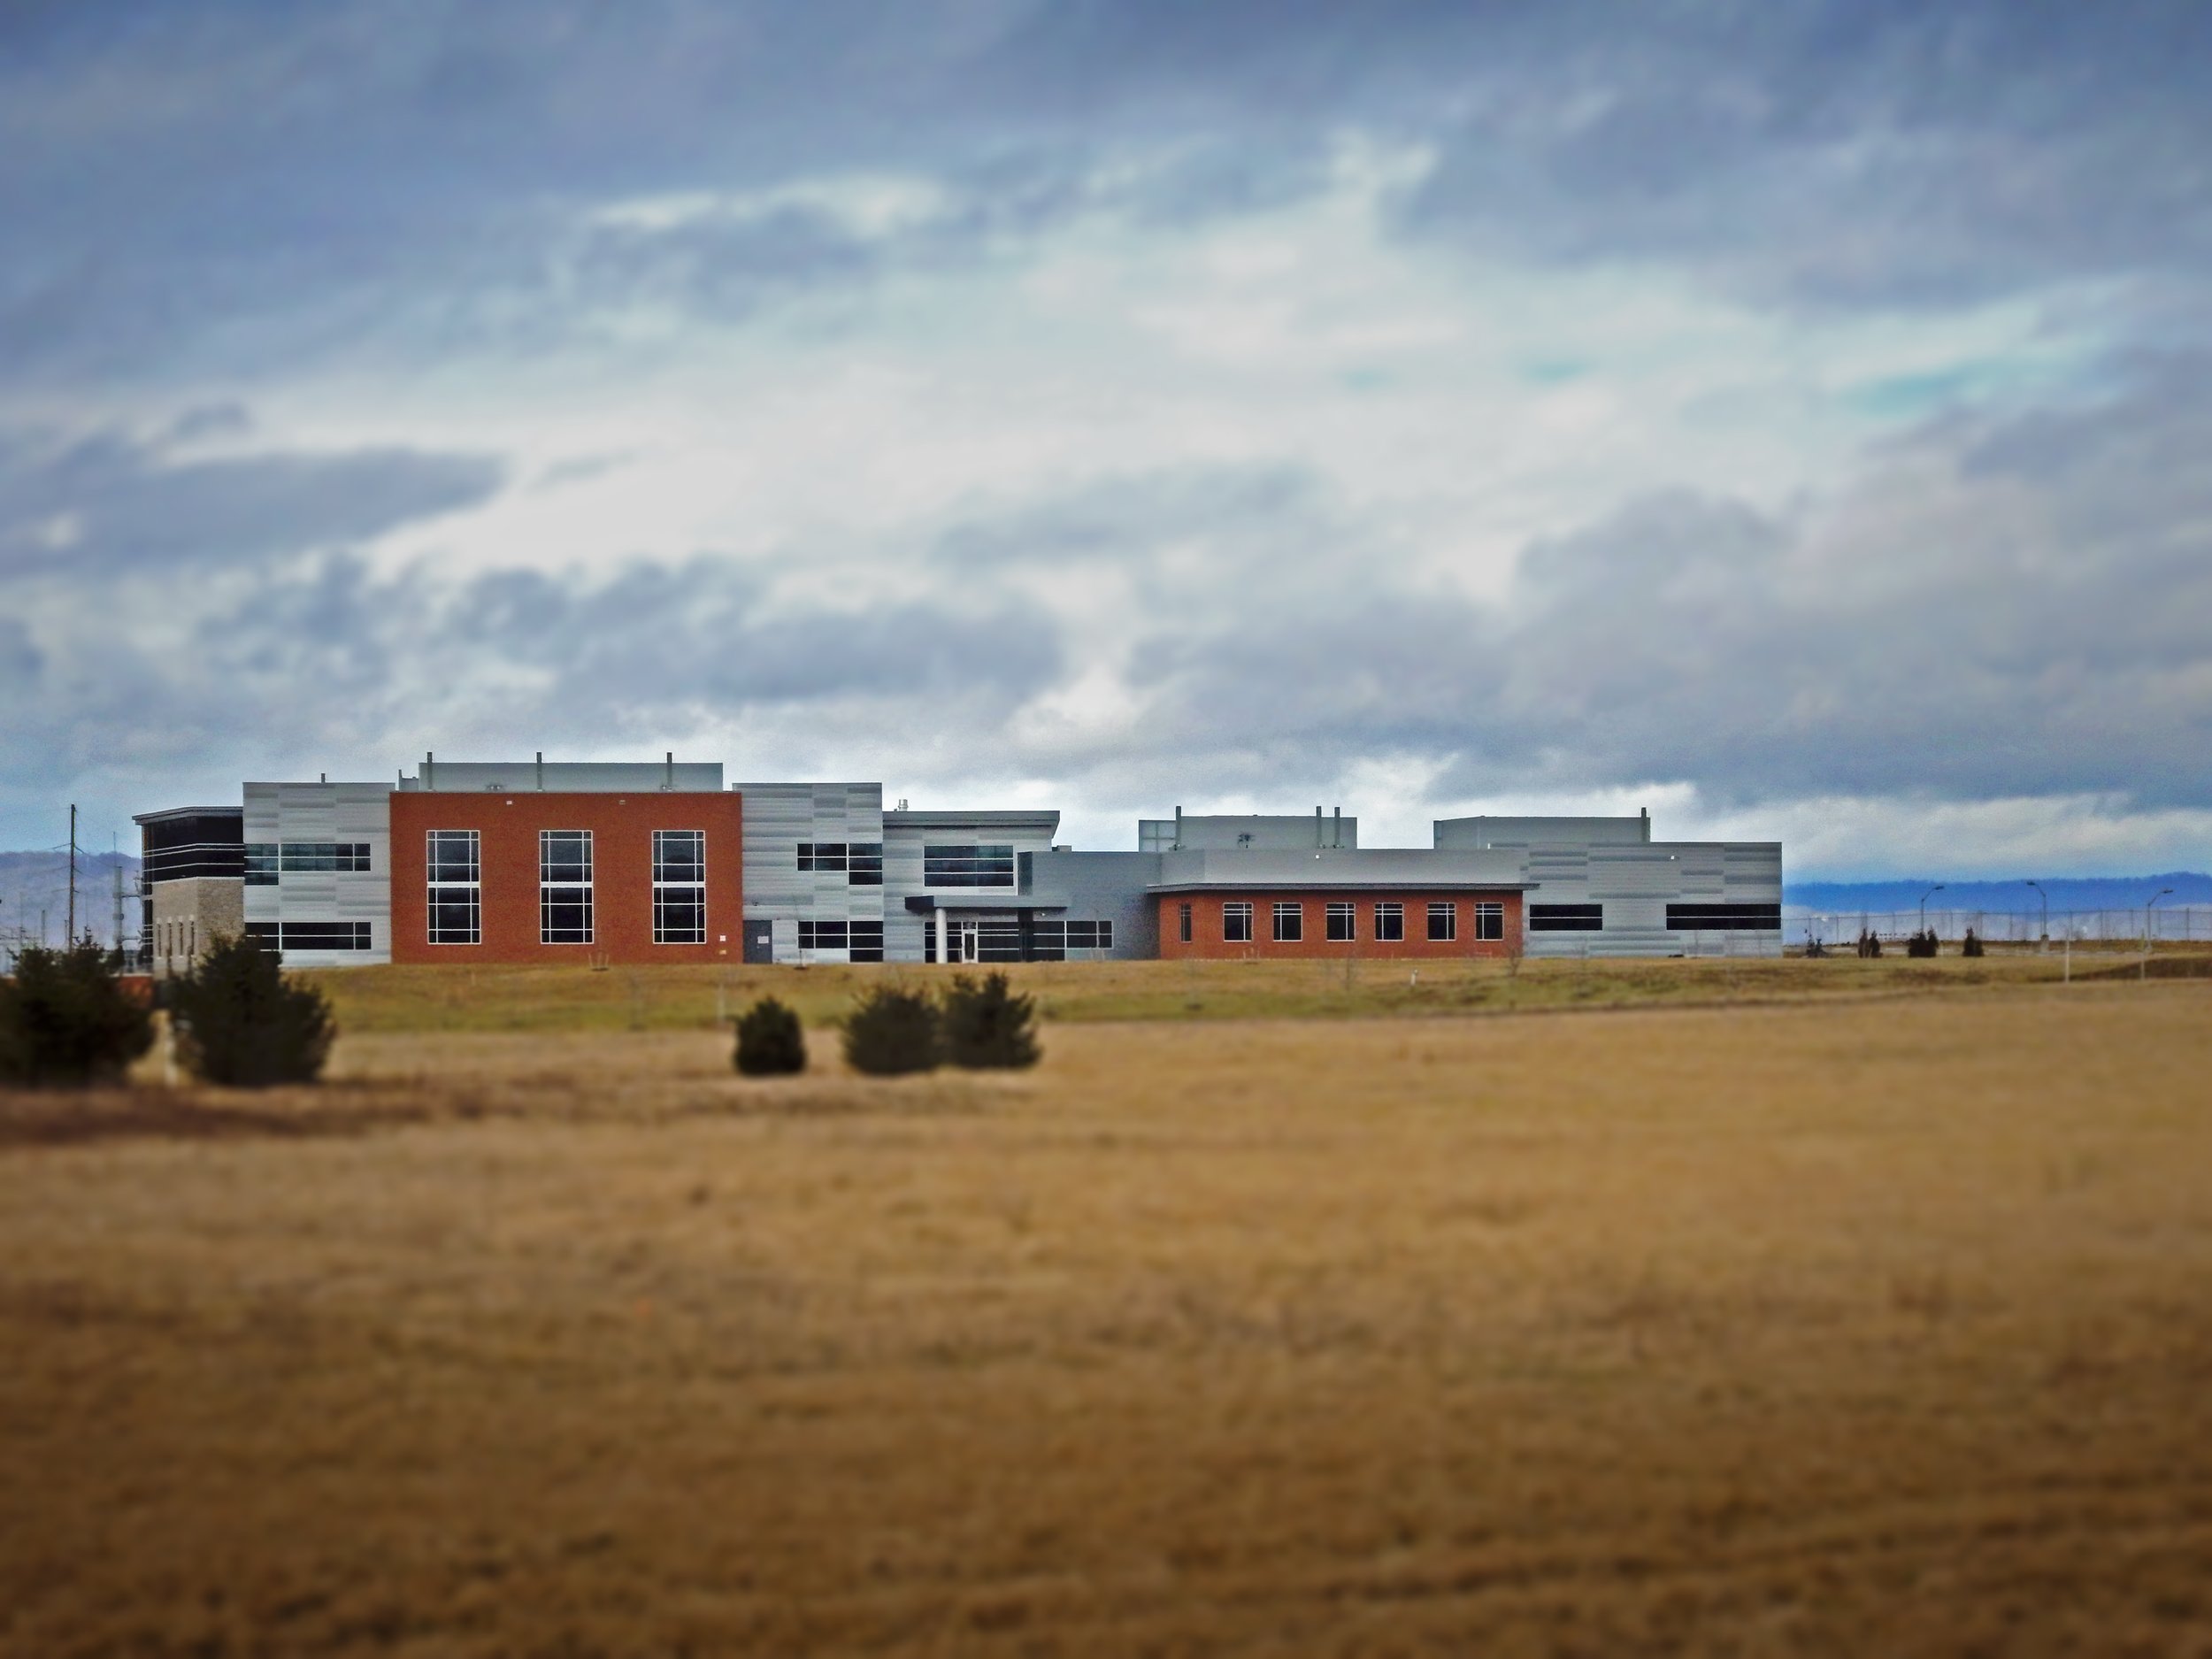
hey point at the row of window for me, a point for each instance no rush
(264, 860)
(860, 863)
(311, 935)
(1341, 921)
(1765, 919)
(1566, 918)
(454, 861)
(952, 866)
(1057, 940)
(863, 941)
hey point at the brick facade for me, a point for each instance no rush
(1207, 928)
(622, 828)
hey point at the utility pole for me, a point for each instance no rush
(70, 938)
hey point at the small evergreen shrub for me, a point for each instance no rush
(892, 1030)
(986, 1024)
(65, 1019)
(770, 1042)
(1921, 943)
(1973, 945)
(240, 1023)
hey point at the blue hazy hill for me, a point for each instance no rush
(2080, 892)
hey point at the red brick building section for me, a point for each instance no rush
(1207, 940)
(621, 828)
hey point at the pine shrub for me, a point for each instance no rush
(770, 1042)
(1921, 943)
(1973, 945)
(240, 1023)
(892, 1030)
(65, 1019)
(986, 1024)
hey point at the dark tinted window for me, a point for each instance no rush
(1390, 920)
(1236, 922)
(1565, 919)
(1765, 918)
(955, 865)
(864, 868)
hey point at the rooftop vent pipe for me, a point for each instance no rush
(540, 772)
(429, 777)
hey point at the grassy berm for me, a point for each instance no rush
(1855, 1319)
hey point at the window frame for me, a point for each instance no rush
(1392, 911)
(1446, 911)
(1183, 923)
(962, 865)
(1340, 922)
(580, 896)
(691, 892)
(1293, 911)
(441, 890)
(1489, 919)
(1235, 911)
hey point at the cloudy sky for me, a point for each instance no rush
(1790, 419)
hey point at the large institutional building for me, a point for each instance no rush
(617, 863)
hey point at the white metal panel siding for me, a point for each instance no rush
(779, 816)
(356, 812)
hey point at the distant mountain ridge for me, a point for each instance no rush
(35, 882)
(2015, 897)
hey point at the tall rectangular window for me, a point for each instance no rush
(1443, 922)
(1290, 922)
(564, 887)
(1390, 921)
(1236, 922)
(990, 865)
(864, 868)
(1182, 923)
(1489, 919)
(680, 887)
(455, 877)
(1343, 920)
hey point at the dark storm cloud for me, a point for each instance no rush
(208, 185)
(1849, 154)
(99, 505)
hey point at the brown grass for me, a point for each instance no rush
(436, 998)
(1875, 1326)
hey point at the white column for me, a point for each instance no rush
(944, 953)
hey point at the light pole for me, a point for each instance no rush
(1924, 897)
(2046, 942)
(2143, 968)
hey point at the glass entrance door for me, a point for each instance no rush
(970, 940)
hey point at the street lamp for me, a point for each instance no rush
(2037, 885)
(1924, 897)
(2143, 969)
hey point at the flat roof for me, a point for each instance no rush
(187, 812)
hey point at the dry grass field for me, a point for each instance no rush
(1783, 1323)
